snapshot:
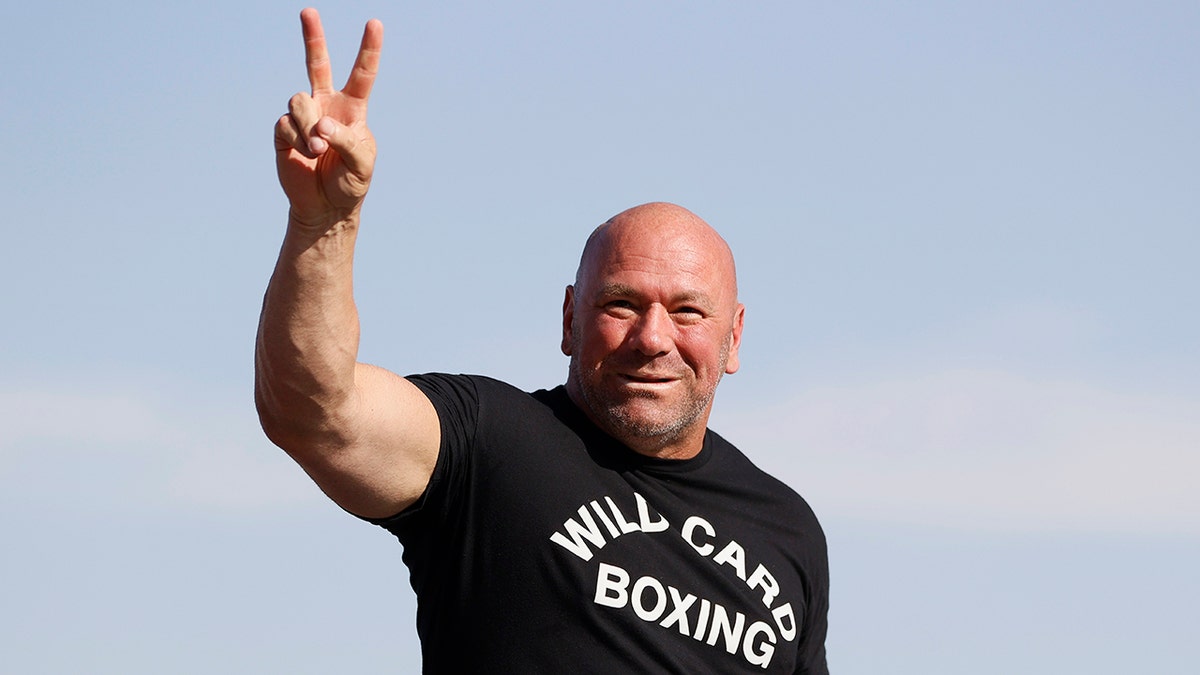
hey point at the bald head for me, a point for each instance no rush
(663, 227)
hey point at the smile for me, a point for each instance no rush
(647, 379)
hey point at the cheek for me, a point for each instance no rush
(607, 332)
(598, 337)
(702, 349)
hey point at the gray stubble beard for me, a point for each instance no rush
(614, 419)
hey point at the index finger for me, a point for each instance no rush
(316, 54)
(366, 65)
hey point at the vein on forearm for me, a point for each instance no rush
(308, 335)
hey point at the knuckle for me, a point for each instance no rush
(298, 101)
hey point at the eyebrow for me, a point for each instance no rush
(616, 290)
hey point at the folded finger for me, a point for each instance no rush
(287, 137)
(304, 113)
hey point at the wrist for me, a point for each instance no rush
(332, 222)
(331, 237)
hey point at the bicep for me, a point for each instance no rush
(390, 446)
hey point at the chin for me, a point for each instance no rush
(640, 414)
(632, 420)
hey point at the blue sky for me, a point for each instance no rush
(966, 236)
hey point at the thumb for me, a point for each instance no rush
(355, 146)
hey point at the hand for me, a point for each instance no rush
(324, 152)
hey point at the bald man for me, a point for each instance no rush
(596, 526)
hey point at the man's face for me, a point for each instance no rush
(651, 326)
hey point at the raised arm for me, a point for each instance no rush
(368, 437)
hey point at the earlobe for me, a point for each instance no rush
(568, 317)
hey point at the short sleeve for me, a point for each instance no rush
(456, 400)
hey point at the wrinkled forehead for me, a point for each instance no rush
(684, 247)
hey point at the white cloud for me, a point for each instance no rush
(987, 450)
(39, 414)
(240, 474)
(142, 447)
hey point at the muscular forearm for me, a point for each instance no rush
(308, 338)
(368, 437)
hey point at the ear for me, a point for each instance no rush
(739, 317)
(568, 317)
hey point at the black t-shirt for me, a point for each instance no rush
(542, 545)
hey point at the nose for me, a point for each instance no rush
(652, 333)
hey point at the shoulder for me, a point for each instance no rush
(466, 395)
(460, 386)
(762, 490)
(729, 458)
(470, 404)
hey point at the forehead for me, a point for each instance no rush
(677, 261)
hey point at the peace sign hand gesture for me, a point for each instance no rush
(324, 152)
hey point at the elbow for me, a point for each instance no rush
(300, 425)
(279, 414)
(274, 423)
(299, 412)
(281, 420)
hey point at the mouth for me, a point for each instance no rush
(646, 379)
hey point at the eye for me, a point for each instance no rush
(688, 314)
(619, 306)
